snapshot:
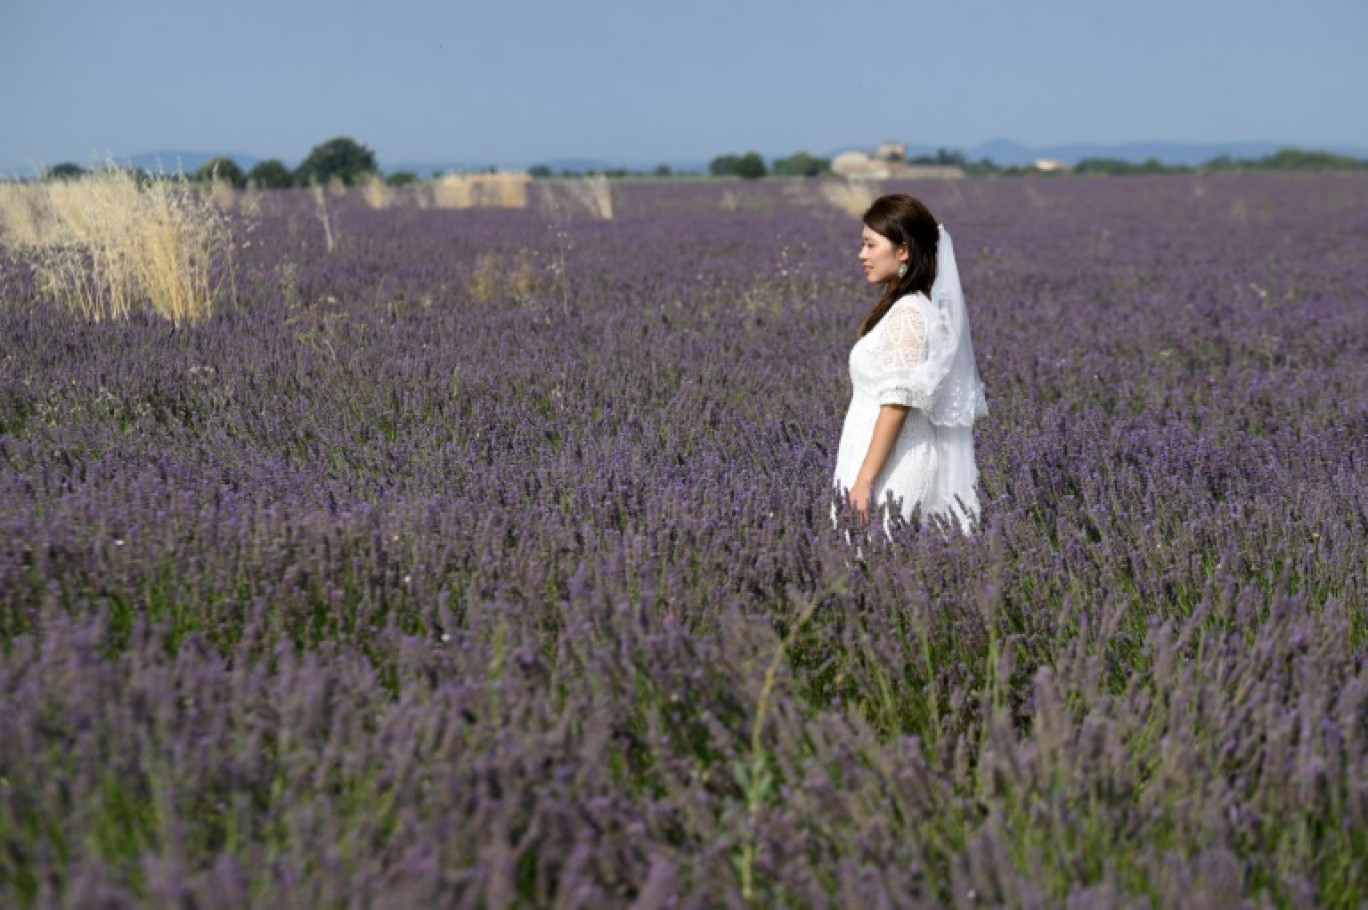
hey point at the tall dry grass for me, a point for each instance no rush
(321, 202)
(223, 194)
(494, 278)
(454, 191)
(590, 195)
(377, 193)
(111, 243)
(463, 191)
(853, 196)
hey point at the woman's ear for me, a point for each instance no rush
(903, 254)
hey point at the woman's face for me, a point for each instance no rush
(880, 257)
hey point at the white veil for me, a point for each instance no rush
(958, 399)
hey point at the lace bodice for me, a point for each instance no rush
(886, 361)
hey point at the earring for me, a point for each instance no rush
(902, 270)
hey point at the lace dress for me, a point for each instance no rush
(883, 370)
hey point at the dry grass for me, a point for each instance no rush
(463, 191)
(23, 220)
(493, 280)
(853, 196)
(249, 201)
(111, 243)
(486, 278)
(377, 193)
(454, 191)
(322, 202)
(590, 195)
(223, 194)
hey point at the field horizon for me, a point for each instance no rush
(1004, 152)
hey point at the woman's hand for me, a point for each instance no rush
(859, 497)
(886, 430)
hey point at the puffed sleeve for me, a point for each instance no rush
(902, 357)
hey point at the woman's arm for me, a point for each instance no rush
(886, 431)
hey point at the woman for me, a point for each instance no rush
(908, 435)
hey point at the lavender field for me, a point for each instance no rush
(485, 561)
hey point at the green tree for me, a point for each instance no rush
(983, 168)
(1302, 160)
(270, 174)
(401, 178)
(64, 171)
(1118, 167)
(662, 170)
(221, 168)
(751, 166)
(1110, 166)
(943, 156)
(801, 164)
(539, 171)
(724, 165)
(342, 158)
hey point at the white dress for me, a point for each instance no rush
(887, 367)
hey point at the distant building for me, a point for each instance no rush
(889, 162)
(1051, 165)
(858, 164)
(890, 151)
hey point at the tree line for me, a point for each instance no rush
(344, 160)
(801, 164)
(341, 159)
(1283, 160)
(752, 165)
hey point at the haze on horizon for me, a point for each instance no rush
(616, 79)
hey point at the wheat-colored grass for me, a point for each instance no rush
(249, 202)
(463, 191)
(494, 280)
(588, 195)
(111, 243)
(853, 196)
(485, 278)
(322, 202)
(24, 221)
(377, 194)
(454, 191)
(223, 194)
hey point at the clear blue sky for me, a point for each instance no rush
(634, 80)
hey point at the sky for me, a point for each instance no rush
(513, 83)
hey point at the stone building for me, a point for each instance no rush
(1051, 165)
(888, 161)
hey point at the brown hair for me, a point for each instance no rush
(903, 220)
